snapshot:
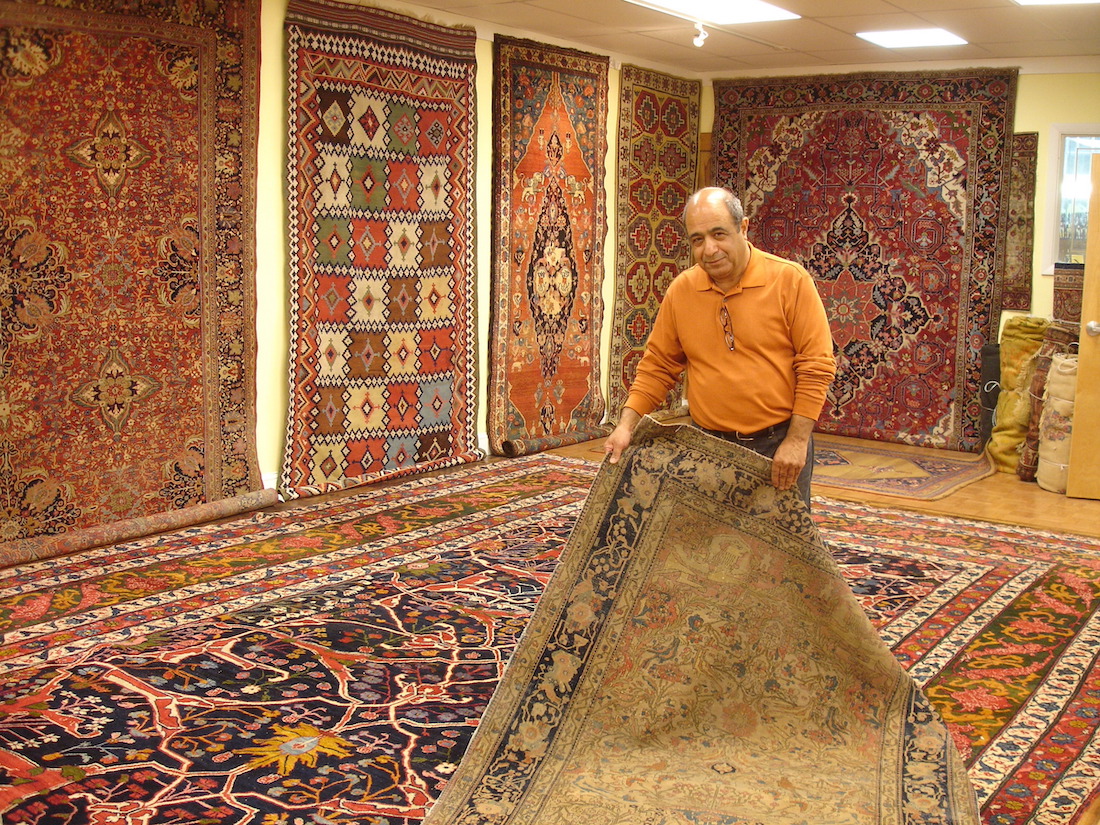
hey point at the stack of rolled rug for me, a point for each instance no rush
(1056, 423)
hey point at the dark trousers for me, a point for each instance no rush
(766, 442)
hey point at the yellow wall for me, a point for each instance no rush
(1043, 102)
(1046, 103)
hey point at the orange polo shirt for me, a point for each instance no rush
(782, 362)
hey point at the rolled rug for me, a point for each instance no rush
(1056, 424)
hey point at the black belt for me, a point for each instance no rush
(768, 432)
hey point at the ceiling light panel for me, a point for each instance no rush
(912, 38)
(719, 12)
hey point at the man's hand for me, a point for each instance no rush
(620, 437)
(790, 457)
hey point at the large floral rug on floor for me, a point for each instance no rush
(549, 223)
(127, 313)
(698, 656)
(327, 663)
(893, 190)
(382, 365)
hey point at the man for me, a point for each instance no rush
(751, 331)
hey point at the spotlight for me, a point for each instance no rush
(701, 37)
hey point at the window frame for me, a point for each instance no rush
(1050, 222)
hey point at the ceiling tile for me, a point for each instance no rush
(999, 30)
(980, 26)
(798, 35)
(626, 17)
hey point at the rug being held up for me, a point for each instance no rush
(698, 656)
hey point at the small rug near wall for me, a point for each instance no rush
(698, 656)
(549, 223)
(893, 190)
(891, 469)
(1020, 242)
(657, 159)
(127, 317)
(382, 364)
(329, 661)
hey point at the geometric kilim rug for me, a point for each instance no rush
(383, 368)
(699, 656)
(328, 662)
(549, 223)
(658, 149)
(893, 469)
(127, 313)
(909, 177)
(1021, 222)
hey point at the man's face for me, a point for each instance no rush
(717, 243)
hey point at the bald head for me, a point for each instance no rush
(717, 195)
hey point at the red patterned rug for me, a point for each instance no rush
(893, 190)
(331, 659)
(383, 365)
(127, 317)
(658, 154)
(549, 222)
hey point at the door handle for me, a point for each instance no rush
(1093, 328)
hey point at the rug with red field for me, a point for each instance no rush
(333, 659)
(892, 189)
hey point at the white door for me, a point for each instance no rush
(1083, 480)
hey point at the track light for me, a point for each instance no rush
(701, 37)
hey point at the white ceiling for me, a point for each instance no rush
(999, 33)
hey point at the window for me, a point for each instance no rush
(1074, 190)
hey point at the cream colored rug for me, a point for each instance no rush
(698, 658)
(895, 469)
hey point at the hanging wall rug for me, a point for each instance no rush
(1020, 244)
(549, 222)
(892, 190)
(382, 363)
(657, 159)
(127, 317)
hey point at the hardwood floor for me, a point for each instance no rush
(1002, 498)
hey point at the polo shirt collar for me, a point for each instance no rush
(752, 276)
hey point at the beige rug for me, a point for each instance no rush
(698, 658)
(895, 469)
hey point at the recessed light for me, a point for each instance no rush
(719, 12)
(909, 38)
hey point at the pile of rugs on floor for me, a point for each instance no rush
(330, 662)
(1033, 422)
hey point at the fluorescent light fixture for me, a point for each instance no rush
(719, 12)
(1055, 2)
(909, 38)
